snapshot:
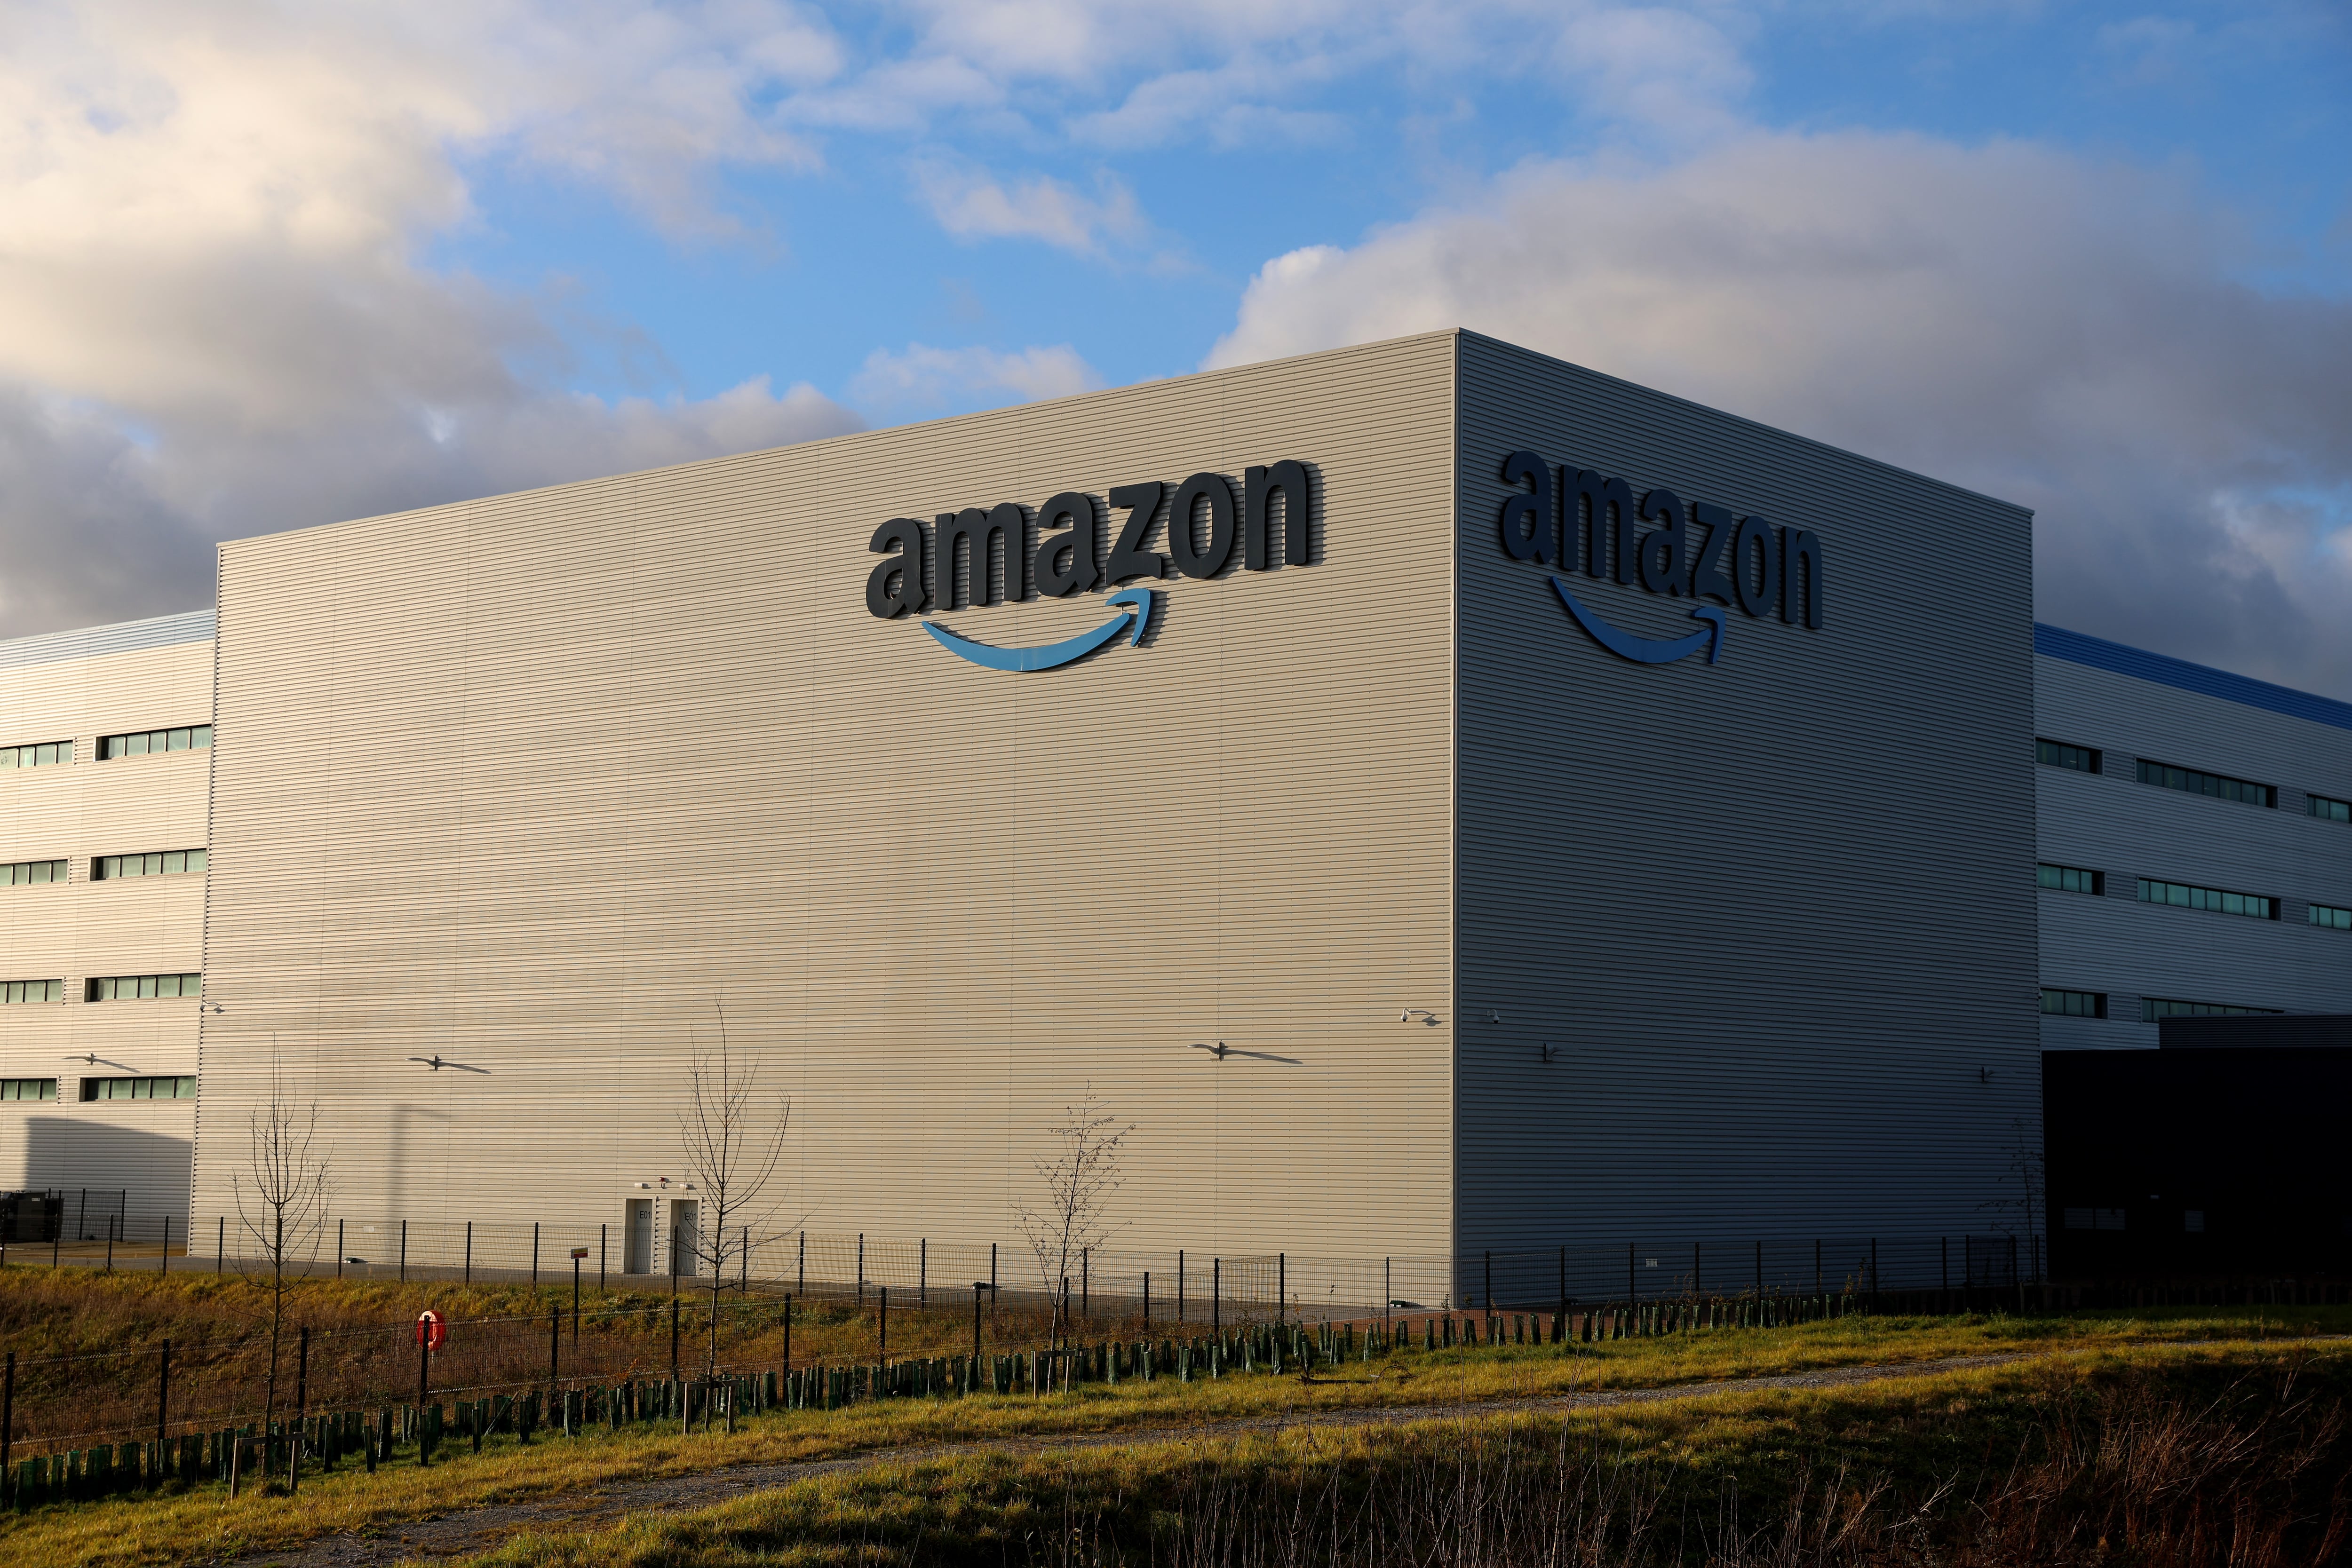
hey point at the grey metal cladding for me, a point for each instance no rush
(1778, 910)
(2112, 822)
(122, 637)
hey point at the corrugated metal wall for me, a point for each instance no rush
(1776, 913)
(539, 783)
(2111, 822)
(81, 686)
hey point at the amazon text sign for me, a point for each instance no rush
(999, 554)
(1568, 516)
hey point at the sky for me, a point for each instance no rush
(267, 266)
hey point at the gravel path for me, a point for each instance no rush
(480, 1529)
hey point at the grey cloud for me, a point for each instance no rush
(2066, 334)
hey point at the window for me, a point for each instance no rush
(29, 1088)
(2094, 1220)
(2332, 918)
(140, 987)
(2218, 785)
(2181, 895)
(32, 991)
(139, 1088)
(21, 873)
(2328, 811)
(47, 754)
(2070, 879)
(2154, 1008)
(2192, 1220)
(188, 738)
(2075, 1004)
(162, 862)
(2058, 754)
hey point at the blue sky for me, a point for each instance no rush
(273, 264)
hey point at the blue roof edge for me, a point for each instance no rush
(2099, 653)
(123, 637)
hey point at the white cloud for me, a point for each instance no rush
(214, 318)
(921, 377)
(971, 205)
(2064, 333)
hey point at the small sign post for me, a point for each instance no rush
(432, 1330)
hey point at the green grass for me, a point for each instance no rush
(172, 1528)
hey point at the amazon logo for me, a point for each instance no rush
(1008, 553)
(1573, 517)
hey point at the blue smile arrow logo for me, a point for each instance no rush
(1645, 650)
(1140, 602)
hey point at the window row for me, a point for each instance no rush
(135, 743)
(105, 989)
(2181, 896)
(2094, 1005)
(155, 863)
(139, 743)
(2192, 1220)
(2329, 916)
(107, 868)
(2191, 780)
(2070, 878)
(180, 1088)
(140, 987)
(29, 1088)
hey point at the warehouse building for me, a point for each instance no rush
(1446, 799)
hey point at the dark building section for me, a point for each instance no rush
(2197, 1163)
(2291, 1029)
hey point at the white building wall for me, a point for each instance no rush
(2111, 822)
(81, 686)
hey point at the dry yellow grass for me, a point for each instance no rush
(175, 1528)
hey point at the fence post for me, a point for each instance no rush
(575, 1303)
(554, 1351)
(602, 1238)
(162, 1392)
(469, 1250)
(1563, 1281)
(403, 1252)
(534, 1253)
(674, 1231)
(113, 1224)
(301, 1408)
(788, 1342)
(1147, 1298)
(1281, 1285)
(923, 1274)
(339, 1248)
(882, 1328)
(861, 1267)
(1217, 1295)
(220, 1244)
(1697, 1288)
(744, 1282)
(1180, 1269)
(800, 1283)
(424, 1387)
(1387, 1280)
(975, 1328)
(673, 1339)
(1489, 1287)
(167, 1246)
(1085, 1285)
(1632, 1291)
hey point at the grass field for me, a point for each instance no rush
(2144, 1455)
(205, 1523)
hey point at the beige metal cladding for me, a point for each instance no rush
(71, 931)
(541, 784)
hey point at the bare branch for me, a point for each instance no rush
(1079, 1175)
(732, 1147)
